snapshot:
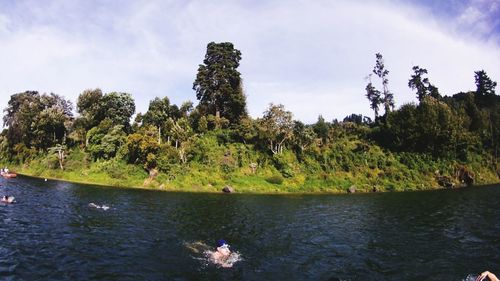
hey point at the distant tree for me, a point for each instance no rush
(218, 84)
(89, 107)
(440, 128)
(61, 154)
(119, 108)
(142, 148)
(403, 133)
(186, 109)
(94, 107)
(276, 127)
(485, 86)
(157, 114)
(321, 128)
(36, 120)
(105, 140)
(485, 89)
(373, 96)
(422, 85)
(381, 72)
(303, 136)
(487, 99)
(19, 115)
(246, 131)
(357, 119)
(49, 127)
(182, 134)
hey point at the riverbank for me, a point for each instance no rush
(395, 176)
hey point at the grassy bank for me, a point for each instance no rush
(353, 163)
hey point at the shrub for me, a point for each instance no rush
(277, 179)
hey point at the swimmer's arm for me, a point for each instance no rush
(488, 274)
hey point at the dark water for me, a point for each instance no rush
(52, 234)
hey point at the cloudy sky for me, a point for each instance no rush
(311, 56)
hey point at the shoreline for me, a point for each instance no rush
(219, 191)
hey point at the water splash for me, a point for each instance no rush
(471, 277)
(228, 262)
(104, 207)
(205, 253)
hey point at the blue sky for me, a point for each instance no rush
(311, 56)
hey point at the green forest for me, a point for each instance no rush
(438, 142)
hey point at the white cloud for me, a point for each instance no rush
(480, 17)
(312, 56)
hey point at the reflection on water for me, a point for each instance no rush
(53, 234)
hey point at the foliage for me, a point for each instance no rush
(94, 107)
(105, 140)
(387, 98)
(276, 127)
(35, 120)
(218, 84)
(277, 179)
(374, 97)
(162, 115)
(142, 148)
(422, 85)
(217, 143)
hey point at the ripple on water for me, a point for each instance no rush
(52, 234)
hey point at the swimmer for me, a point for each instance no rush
(7, 199)
(93, 205)
(488, 274)
(222, 254)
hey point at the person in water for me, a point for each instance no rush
(488, 274)
(7, 199)
(221, 254)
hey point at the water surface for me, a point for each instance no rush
(53, 234)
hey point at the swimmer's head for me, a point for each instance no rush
(221, 243)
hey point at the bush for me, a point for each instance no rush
(277, 179)
(282, 163)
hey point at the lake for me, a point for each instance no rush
(52, 233)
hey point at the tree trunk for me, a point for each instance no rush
(159, 135)
(273, 149)
(60, 155)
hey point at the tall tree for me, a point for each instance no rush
(218, 84)
(485, 86)
(487, 99)
(157, 114)
(276, 127)
(485, 89)
(381, 72)
(94, 107)
(119, 108)
(36, 120)
(89, 106)
(303, 136)
(321, 129)
(373, 96)
(19, 115)
(422, 85)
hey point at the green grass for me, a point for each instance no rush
(332, 170)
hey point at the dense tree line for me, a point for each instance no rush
(168, 136)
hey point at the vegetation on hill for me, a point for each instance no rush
(439, 141)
